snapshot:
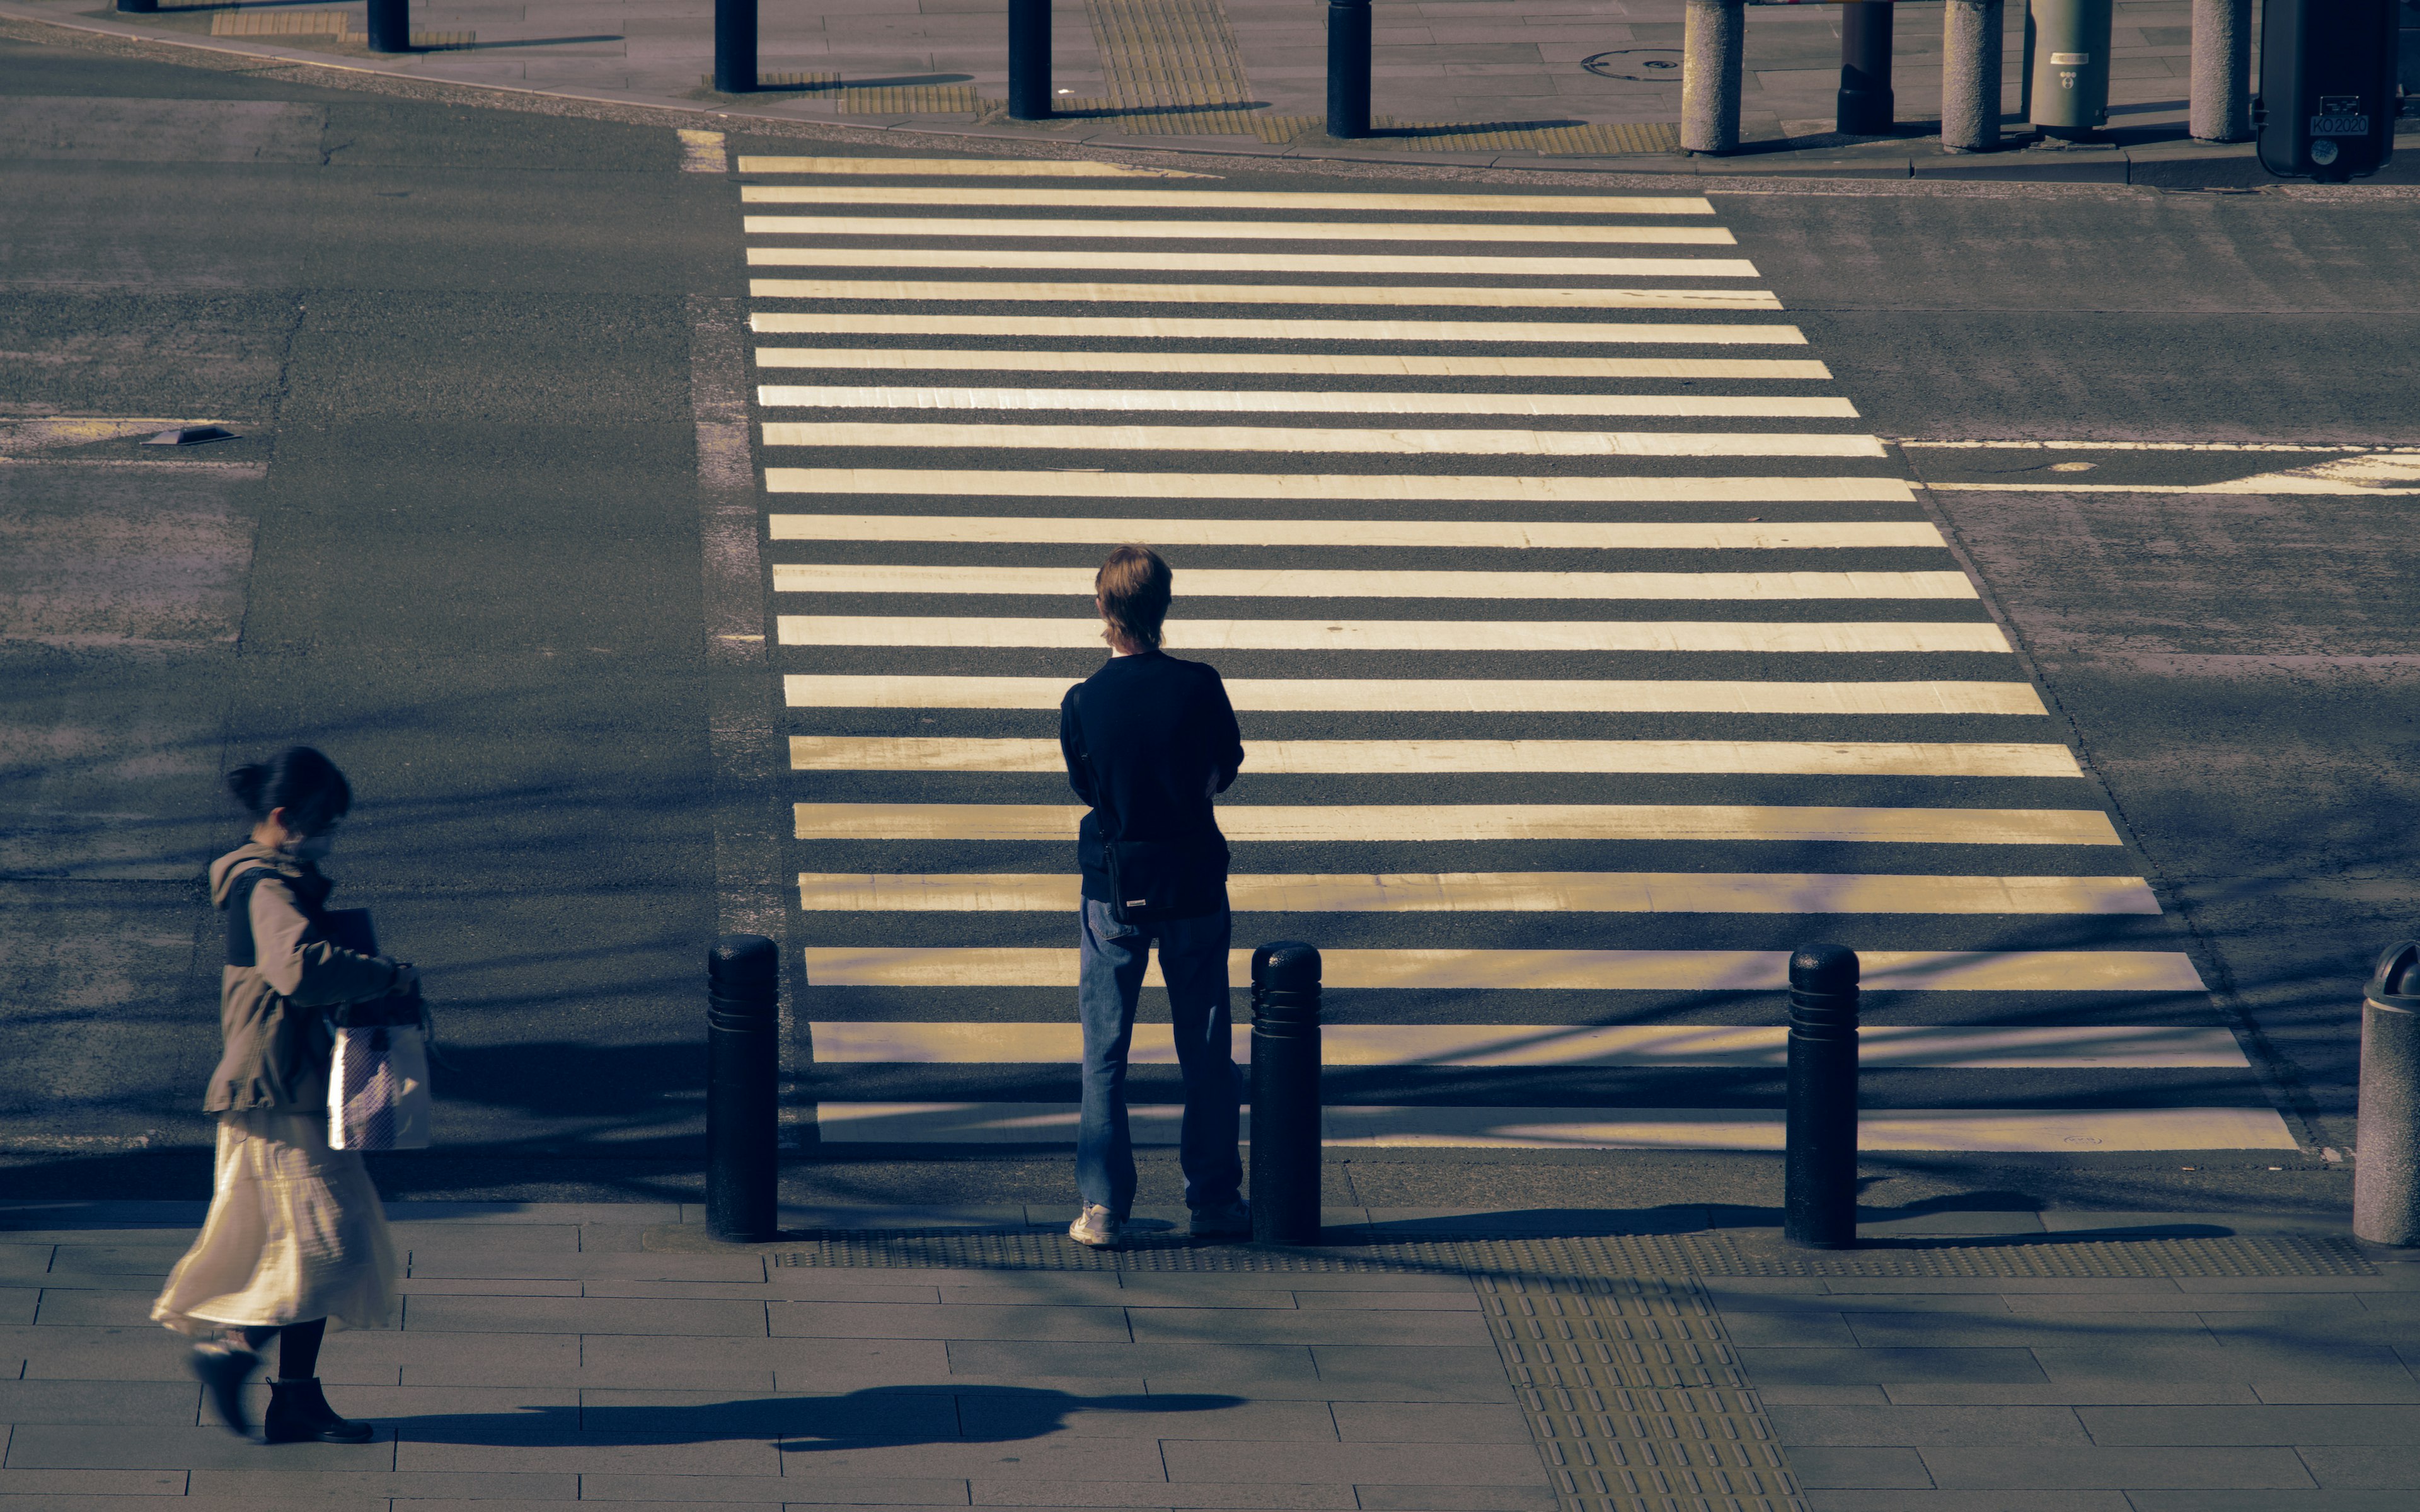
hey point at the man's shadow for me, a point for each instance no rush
(875, 1418)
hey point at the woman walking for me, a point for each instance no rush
(295, 1236)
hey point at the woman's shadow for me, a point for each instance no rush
(878, 1417)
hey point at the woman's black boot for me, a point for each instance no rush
(299, 1413)
(224, 1367)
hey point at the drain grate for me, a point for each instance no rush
(2046, 1257)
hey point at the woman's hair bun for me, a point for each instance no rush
(299, 780)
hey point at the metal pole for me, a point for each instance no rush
(2386, 1134)
(1713, 47)
(138, 7)
(2222, 70)
(1285, 1094)
(1820, 1173)
(1970, 74)
(1029, 59)
(735, 46)
(1348, 68)
(1864, 106)
(742, 1056)
(390, 26)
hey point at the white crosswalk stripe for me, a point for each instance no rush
(1624, 820)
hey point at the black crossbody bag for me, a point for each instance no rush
(1152, 880)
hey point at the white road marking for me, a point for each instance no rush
(1517, 892)
(962, 168)
(1092, 229)
(1286, 582)
(1248, 695)
(1474, 970)
(1431, 758)
(1542, 637)
(1221, 199)
(1498, 1045)
(1371, 442)
(2015, 1131)
(1071, 292)
(1047, 483)
(1162, 328)
(1685, 535)
(1306, 364)
(1249, 262)
(1245, 824)
(1325, 402)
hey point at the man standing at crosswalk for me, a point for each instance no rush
(1149, 740)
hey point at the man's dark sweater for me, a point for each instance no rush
(1162, 736)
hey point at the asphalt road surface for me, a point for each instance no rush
(491, 538)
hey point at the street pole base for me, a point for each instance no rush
(1820, 1244)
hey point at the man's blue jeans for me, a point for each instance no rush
(1193, 963)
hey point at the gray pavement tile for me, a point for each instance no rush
(580, 1265)
(1243, 1364)
(262, 1484)
(878, 1414)
(1006, 1414)
(2381, 1282)
(865, 1321)
(20, 1263)
(456, 1217)
(1042, 1290)
(582, 1315)
(1177, 1288)
(30, 1484)
(1821, 1396)
(626, 1360)
(192, 1504)
(2347, 1501)
(715, 1489)
(2308, 1324)
(1998, 1286)
(1793, 1328)
(413, 1504)
(1470, 1373)
(1379, 1464)
(425, 1411)
(1730, 1303)
(1444, 1301)
(682, 1457)
(454, 1241)
(1922, 1427)
(2366, 1467)
(1455, 1498)
(1997, 1500)
(1889, 1367)
(1246, 1496)
(2071, 1468)
(128, 1403)
(2178, 1301)
(102, 1259)
(1430, 1423)
(2310, 1425)
(2134, 1389)
(2104, 1329)
(2242, 1360)
(147, 1281)
(78, 1309)
(1176, 1325)
(496, 1286)
(1829, 1469)
(93, 1446)
(1055, 1460)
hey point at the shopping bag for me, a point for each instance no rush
(378, 1088)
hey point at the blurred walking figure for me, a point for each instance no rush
(295, 1235)
(1148, 740)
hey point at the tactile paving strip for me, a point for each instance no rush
(1166, 52)
(1565, 137)
(1633, 1395)
(1585, 1257)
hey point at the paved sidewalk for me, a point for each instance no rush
(559, 1355)
(1565, 83)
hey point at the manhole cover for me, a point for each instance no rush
(1652, 65)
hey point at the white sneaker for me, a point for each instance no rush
(1095, 1226)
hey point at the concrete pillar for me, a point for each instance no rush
(2386, 1147)
(1714, 48)
(2222, 70)
(1970, 74)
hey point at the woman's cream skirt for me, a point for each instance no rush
(295, 1232)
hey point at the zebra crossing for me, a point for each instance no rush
(1559, 737)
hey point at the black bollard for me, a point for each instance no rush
(742, 1054)
(138, 7)
(1348, 68)
(390, 26)
(1819, 1179)
(1285, 1094)
(1029, 60)
(735, 47)
(1865, 105)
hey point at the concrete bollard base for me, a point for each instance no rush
(2386, 1170)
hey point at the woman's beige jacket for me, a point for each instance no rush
(272, 1015)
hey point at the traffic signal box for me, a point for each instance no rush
(2327, 102)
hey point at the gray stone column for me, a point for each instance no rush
(2386, 1147)
(1970, 74)
(1713, 47)
(2222, 70)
